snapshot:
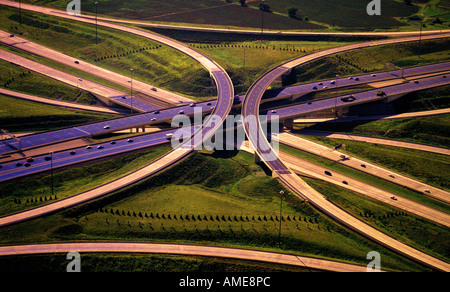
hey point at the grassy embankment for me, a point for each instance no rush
(118, 51)
(214, 199)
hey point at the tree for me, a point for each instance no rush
(264, 7)
(292, 12)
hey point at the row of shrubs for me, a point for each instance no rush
(290, 49)
(217, 218)
(127, 53)
(35, 200)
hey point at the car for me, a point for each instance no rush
(130, 140)
(343, 156)
(348, 98)
(356, 78)
(345, 182)
(153, 119)
(72, 152)
(328, 173)
(181, 112)
(156, 112)
(274, 112)
(106, 127)
(112, 142)
(76, 62)
(1, 166)
(350, 78)
(48, 158)
(373, 75)
(192, 105)
(333, 82)
(445, 76)
(427, 191)
(124, 97)
(89, 147)
(394, 198)
(30, 159)
(309, 102)
(99, 147)
(381, 93)
(363, 165)
(315, 87)
(18, 164)
(320, 83)
(208, 104)
(416, 81)
(27, 164)
(325, 87)
(11, 35)
(169, 136)
(391, 175)
(154, 89)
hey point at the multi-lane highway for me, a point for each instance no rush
(155, 96)
(256, 136)
(166, 115)
(10, 170)
(264, 150)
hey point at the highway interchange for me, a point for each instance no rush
(219, 108)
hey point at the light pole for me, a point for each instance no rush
(20, 12)
(281, 209)
(262, 19)
(51, 171)
(335, 101)
(422, 16)
(243, 71)
(96, 10)
(131, 89)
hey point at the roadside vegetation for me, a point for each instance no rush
(431, 130)
(26, 116)
(33, 191)
(209, 198)
(117, 51)
(372, 60)
(279, 14)
(18, 79)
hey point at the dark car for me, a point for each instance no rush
(48, 158)
(328, 173)
(381, 93)
(76, 62)
(348, 98)
(72, 152)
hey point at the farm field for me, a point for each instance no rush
(312, 15)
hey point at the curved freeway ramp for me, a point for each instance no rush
(188, 250)
(225, 91)
(258, 140)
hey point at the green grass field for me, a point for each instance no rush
(25, 116)
(315, 14)
(18, 79)
(373, 59)
(219, 199)
(118, 51)
(432, 130)
(33, 191)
